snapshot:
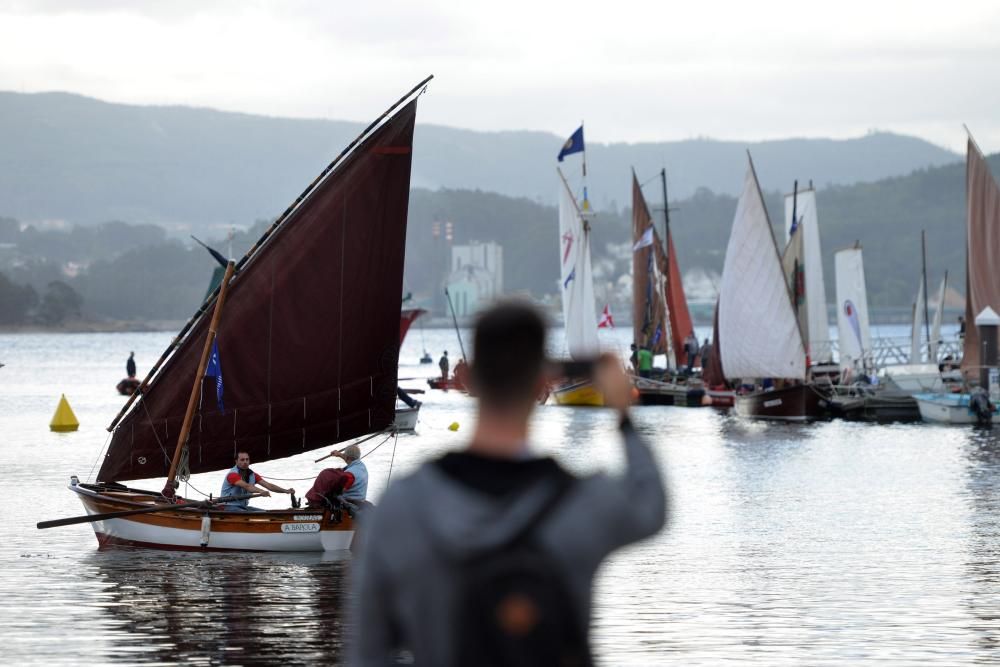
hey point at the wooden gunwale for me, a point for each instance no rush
(269, 521)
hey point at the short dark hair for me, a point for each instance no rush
(508, 353)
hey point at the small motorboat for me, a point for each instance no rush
(128, 386)
(406, 418)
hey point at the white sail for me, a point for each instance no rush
(916, 354)
(576, 277)
(758, 334)
(936, 322)
(852, 309)
(818, 343)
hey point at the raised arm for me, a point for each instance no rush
(638, 499)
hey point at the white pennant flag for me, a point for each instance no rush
(645, 241)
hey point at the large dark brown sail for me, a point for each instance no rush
(983, 232)
(309, 335)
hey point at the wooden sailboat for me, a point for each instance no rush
(759, 337)
(855, 397)
(306, 327)
(579, 311)
(660, 316)
(982, 299)
(809, 289)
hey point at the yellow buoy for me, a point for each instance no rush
(453, 426)
(64, 420)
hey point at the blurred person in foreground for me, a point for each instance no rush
(487, 556)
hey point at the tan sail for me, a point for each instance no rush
(983, 238)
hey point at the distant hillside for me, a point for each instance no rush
(166, 280)
(73, 158)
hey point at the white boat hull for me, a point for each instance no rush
(299, 530)
(406, 418)
(949, 409)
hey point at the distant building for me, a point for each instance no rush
(476, 278)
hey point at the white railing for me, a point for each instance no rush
(890, 351)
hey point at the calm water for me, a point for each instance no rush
(832, 543)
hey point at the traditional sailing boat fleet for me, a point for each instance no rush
(772, 356)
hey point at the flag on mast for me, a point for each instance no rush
(645, 241)
(606, 320)
(214, 369)
(573, 145)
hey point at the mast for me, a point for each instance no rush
(923, 270)
(666, 224)
(795, 274)
(454, 320)
(171, 485)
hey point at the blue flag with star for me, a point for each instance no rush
(573, 145)
(214, 369)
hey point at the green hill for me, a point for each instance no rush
(68, 157)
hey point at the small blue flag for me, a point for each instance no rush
(796, 223)
(569, 278)
(214, 369)
(573, 145)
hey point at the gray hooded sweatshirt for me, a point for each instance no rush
(406, 587)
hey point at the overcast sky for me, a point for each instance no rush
(634, 71)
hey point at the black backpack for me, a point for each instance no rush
(513, 605)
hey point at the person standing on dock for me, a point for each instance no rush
(488, 555)
(645, 362)
(691, 350)
(704, 353)
(130, 365)
(444, 365)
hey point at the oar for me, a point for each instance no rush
(145, 510)
(356, 442)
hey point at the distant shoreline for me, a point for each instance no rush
(81, 326)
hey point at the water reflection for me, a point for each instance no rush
(232, 608)
(982, 562)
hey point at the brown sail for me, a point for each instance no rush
(649, 317)
(308, 339)
(677, 307)
(983, 234)
(659, 307)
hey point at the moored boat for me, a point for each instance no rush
(955, 409)
(981, 305)
(794, 403)
(580, 393)
(577, 280)
(660, 316)
(760, 339)
(406, 418)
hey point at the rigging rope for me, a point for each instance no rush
(90, 476)
(152, 425)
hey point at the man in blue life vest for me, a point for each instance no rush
(241, 481)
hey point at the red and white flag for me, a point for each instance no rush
(606, 319)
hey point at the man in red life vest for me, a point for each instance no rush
(241, 481)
